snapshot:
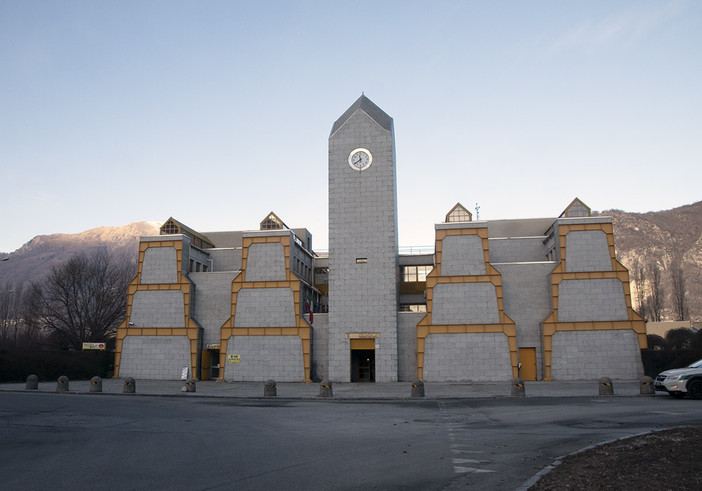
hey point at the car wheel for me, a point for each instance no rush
(694, 389)
(677, 395)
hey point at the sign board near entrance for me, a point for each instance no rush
(233, 359)
(213, 346)
(362, 335)
(100, 346)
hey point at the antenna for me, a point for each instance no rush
(477, 211)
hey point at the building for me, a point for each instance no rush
(535, 298)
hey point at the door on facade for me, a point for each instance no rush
(362, 360)
(527, 362)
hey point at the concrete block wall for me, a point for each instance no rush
(462, 255)
(587, 250)
(362, 224)
(158, 308)
(198, 256)
(518, 249)
(160, 265)
(465, 357)
(154, 357)
(265, 307)
(320, 347)
(265, 357)
(526, 290)
(464, 303)
(213, 302)
(591, 300)
(407, 345)
(589, 355)
(225, 259)
(265, 262)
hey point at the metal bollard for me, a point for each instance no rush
(269, 390)
(606, 387)
(190, 385)
(32, 382)
(129, 386)
(325, 389)
(417, 388)
(518, 389)
(96, 384)
(647, 388)
(62, 384)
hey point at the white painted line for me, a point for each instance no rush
(464, 470)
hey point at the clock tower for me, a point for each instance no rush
(363, 255)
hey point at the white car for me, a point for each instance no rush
(682, 381)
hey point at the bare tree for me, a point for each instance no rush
(639, 273)
(680, 307)
(656, 292)
(81, 300)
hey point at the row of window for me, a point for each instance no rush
(415, 273)
(198, 267)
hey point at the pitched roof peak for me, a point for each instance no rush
(367, 106)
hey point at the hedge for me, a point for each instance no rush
(16, 366)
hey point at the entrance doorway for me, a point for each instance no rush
(362, 360)
(527, 362)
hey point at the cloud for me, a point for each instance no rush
(621, 29)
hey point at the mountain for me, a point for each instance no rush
(35, 258)
(660, 237)
(664, 238)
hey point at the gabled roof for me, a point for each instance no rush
(459, 213)
(367, 106)
(272, 219)
(576, 208)
(173, 226)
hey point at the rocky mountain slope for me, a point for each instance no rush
(664, 238)
(35, 258)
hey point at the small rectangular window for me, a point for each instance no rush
(361, 260)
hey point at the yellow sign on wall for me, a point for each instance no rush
(233, 359)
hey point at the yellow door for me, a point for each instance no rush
(205, 366)
(527, 361)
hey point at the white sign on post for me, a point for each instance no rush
(184, 373)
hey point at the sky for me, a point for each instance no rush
(218, 112)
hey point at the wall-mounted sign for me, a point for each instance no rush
(362, 335)
(99, 346)
(233, 359)
(213, 346)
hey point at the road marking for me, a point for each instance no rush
(457, 450)
(469, 461)
(463, 470)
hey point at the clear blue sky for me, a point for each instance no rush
(217, 112)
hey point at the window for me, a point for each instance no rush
(272, 222)
(413, 308)
(458, 214)
(415, 273)
(576, 209)
(170, 228)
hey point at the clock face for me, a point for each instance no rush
(360, 159)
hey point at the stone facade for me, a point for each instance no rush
(154, 357)
(467, 357)
(541, 298)
(363, 255)
(595, 354)
(260, 358)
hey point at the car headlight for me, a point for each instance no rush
(674, 377)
